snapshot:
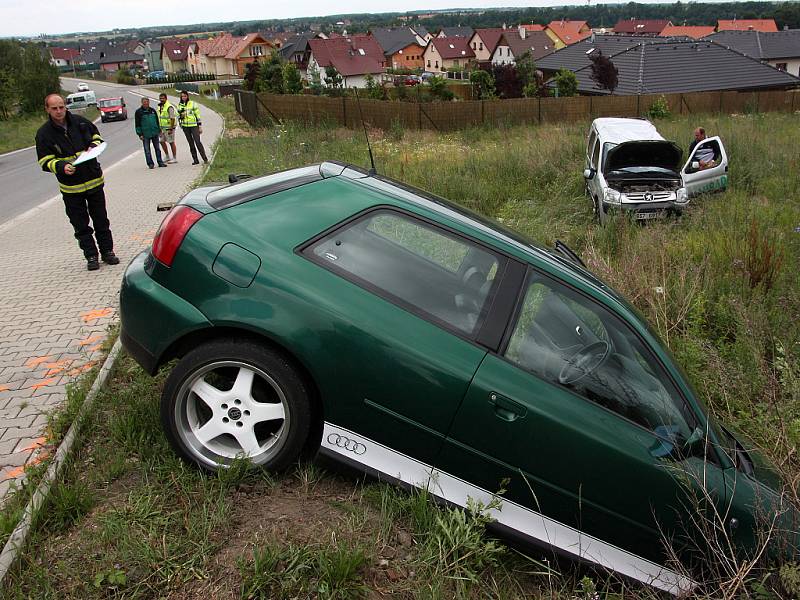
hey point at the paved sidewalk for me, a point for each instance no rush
(54, 314)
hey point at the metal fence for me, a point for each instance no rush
(261, 109)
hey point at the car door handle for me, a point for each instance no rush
(506, 408)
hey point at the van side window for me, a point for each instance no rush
(590, 145)
(596, 156)
(568, 340)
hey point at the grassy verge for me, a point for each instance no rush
(130, 520)
(20, 132)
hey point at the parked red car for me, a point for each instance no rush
(112, 109)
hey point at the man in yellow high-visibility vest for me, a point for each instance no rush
(167, 120)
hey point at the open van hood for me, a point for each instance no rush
(653, 153)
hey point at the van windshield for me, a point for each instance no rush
(110, 102)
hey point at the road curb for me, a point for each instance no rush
(16, 542)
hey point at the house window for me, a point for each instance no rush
(781, 66)
(481, 45)
(429, 63)
(437, 64)
(474, 45)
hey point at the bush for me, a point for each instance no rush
(484, 84)
(438, 89)
(659, 109)
(124, 76)
(566, 83)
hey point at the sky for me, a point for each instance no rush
(18, 18)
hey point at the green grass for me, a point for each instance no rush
(20, 132)
(131, 520)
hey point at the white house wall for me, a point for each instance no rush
(792, 65)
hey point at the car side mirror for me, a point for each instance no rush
(588, 173)
(669, 444)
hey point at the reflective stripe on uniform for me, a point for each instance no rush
(44, 159)
(81, 187)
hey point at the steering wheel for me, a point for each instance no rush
(584, 362)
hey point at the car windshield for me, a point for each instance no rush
(644, 171)
(110, 103)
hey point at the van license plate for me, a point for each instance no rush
(649, 215)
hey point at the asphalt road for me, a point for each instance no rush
(24, 185)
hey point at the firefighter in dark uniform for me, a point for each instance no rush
(58, 142)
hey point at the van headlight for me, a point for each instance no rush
(681, 197)
(613, 196)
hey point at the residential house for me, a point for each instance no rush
(121, 61)
(459, 31)
(63, 57)
(296, 50)
(174, 55)
(764, 25)
(514, 43)
(576, 56)
(227, 55)
(641, 26)
(422, 32)
(153, 56)
(781, 49)
(565, 32)
(93, 52)
(402, 48)
(666, 67)
(354, 58)
(533, 27)
(133, 47)
(448, 53)
(484, 41)
(692, 31)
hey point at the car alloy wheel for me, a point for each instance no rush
(225, 401)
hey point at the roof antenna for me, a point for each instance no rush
(372, 170)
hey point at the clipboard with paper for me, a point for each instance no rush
(90, 154)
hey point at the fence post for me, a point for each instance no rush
(419, 115)
(758, 110)
(720, 102)
(793, 95)
(344, 111)
(540, 109)
(591, 113)
(483, 120)
(638, 100)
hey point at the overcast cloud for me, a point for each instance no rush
(33, 17)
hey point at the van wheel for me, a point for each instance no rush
(599, 211)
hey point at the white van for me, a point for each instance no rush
(81, 100)
(630, 166)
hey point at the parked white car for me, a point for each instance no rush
(83, 87)
(630, 166)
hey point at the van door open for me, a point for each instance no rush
(713, 178)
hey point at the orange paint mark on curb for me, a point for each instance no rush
(4, 388)
(35, 362)
(95, 314)
(90, 340)
(38, 443)
(95, 348)
(43, 383)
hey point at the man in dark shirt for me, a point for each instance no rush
(148, 129)
(59, 142)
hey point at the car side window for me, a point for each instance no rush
(596, 156)
(422, 267)
(590, 144)
(569, 340)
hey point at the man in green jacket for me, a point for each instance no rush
(148, 129)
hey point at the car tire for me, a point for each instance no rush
(234, 398)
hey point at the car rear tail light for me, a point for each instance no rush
(172, 231)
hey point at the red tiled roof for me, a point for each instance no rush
(453, 47)
(641, 26)
(203, 46)
(569, 32)
(693, 31)
(533, 27)
(489, 37)
(747, 25)
(222, 45)
(356, 55)
(175, 49)
(64, 53)
(236, 50)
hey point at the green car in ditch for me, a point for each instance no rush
(329, 309)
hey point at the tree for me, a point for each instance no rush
(483, 82)
(507, 83)
(333, 82)
(566, 83)
(375, 90)
(526, 68)
(292, 81)
(37, 79)
(252, 73)
(272, 75)
(439, 90)
(315, 85)
(8, 95)
(604, 72)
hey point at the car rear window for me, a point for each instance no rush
(250, 189)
